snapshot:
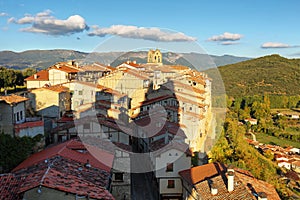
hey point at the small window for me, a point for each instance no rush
(169, 167)
(171, 184)
(21, 115)
(80, 92)
(86, 126)
(118, 176)
(18, 116)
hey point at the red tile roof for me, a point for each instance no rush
(197, 174)
(239, 192)
(98, 158)
(42, 75)
(256, 185)
(57, 88)
(65, 68)
(10, 99)
(246, 186)
(65, 175)
(9, 185)
(96, 67)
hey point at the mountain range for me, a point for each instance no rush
(41, 59)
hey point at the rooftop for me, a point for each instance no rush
(245, 187)
(10, 99)
(74, 150)
(42, 75)
(65, 175)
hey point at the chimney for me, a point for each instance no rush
(230, 181)
(262, 196)
(213, 189)
(35, 76)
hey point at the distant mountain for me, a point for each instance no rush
(41, 59)
(272, 74)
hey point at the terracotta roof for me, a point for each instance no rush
(42, 75)
(56, 88)
(10, 99)
(246, 186)
(197, 174)
(139, 75)
(254, 185)
(239, 192)
(65, 68)
(96, 67)
(66, 175)
(97, 157)
(9, 186)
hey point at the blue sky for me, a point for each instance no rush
(249, 28)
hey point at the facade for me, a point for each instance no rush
(31, 127)
(52, 101)
(91, 73)
(63, 72)
(168, 161)
(154, 56)
(38, 80)
(12, 112)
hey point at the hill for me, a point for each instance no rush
(272, 74)
(41, 59)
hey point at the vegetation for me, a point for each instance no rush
(14, 150)
(10, 78)
(272, 74)
(232, 148)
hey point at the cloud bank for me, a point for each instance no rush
(268, 45)
(153, 34)
(45, 23)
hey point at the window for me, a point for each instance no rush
(80, 92)
(86, 126)
(18, 116)
(171, 184)
(118, 176)
(21, 115)
(169, 167)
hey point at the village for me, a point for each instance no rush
(123, 133)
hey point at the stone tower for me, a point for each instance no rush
(154, 57)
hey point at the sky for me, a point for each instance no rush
(249, 28)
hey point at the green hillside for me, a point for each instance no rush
(271, 74)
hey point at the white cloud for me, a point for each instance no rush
(229, 43)
(3, 14)
(45, 23)
(154, 34)
(275, 45)
(226, 37)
